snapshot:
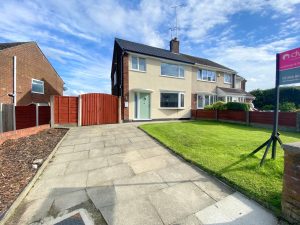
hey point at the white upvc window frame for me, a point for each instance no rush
(179, 67)
(200, 75)
(241, 99)
(227, 74)
(35, 92)
(138, 63)
(212, 99)
(180, 93)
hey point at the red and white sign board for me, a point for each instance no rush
(289, 67)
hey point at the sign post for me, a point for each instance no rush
(287, 72)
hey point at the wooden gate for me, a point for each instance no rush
(99, 109)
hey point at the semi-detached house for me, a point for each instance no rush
(156, 83)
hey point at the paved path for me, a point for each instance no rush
(132, 180)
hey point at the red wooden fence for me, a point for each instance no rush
(65, 110)
(26, 116)
(99, 109)
(286, 119)
(232, 115)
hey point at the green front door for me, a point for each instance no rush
(144, 106)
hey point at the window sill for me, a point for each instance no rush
(227, 82)
(39, 93)
(171, 108)
(207, 81)
(182, 78)
(140, 71)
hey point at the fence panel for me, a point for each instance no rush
(205, 114)
(232, 115)
(6, 117)
(99, 109)
(25, 116)
(288, 119)
(65, 110)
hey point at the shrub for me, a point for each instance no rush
(238, 106)
(228, 106)
(216, 106)
(287, 107)
(268, 107)
(208, 107)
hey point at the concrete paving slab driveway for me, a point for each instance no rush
(132, 180)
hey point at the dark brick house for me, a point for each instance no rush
(36, 79)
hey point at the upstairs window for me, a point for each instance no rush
(172, 70)
(227, 78)
(138, 63)
(37, 86)
(207, 75)
(172, 100)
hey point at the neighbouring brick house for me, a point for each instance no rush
(36, 79)
(156, 83)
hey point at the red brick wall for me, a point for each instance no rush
(22, 133)
(31, 63)
(291, 183)
(125, 111)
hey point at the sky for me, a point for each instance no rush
(78, 36)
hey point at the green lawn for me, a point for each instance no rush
(222, 149)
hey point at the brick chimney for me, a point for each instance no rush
(174, 45)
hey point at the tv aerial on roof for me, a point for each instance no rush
(175, 28)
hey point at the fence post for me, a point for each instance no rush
(14, 118)
(37, 114)
(79, 110)
(119, 109)
(51, 110)
(247, 117)
(298, 122)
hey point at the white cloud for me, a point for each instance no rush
(256, 64)
(78, 34)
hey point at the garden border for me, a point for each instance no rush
(28, 187)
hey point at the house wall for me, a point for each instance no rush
(151, 79)
(31, 63)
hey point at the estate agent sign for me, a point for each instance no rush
(287, 72)
(289, 67)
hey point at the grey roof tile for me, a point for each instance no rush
(166, 54)
(9, 45)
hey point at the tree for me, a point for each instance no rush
(267, 97)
